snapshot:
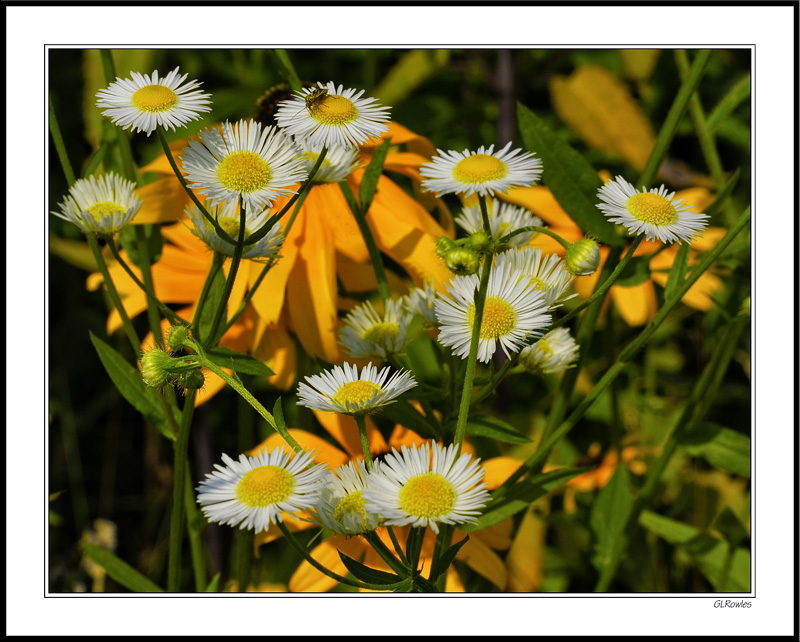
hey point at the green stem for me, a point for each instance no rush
(195, 533)
(95, 160)
(667, 132)
(112, 291)
(534, 228)
(124, 144)
(325, 571)
(538, 458)
(147, 275)
(372, 248)
(286, 68)
(61, 149)
(396, 544)
(151, 297)
(178, 495)
(361, 422)
(216, 266)
(472, 357)
(222, 309)
(386, 555)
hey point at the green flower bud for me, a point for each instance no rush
(156, 366)
(583, 257)
(443, 246)
(462, 261)
(177, 337)
(479, 241)
(192, 380)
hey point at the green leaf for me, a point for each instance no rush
(130, 242)
(369, 183)
(238, 362)
(128, 381)
(496, 429)
(277, 413)
(709, 553)
(609, 513)
(573, 182)
(731, 528)
(521, 495)
(213, 585)
(677, 274)
(213, 297)
(126, 575)
(724, 194)
(367, 574)
(443, 563)
(720, 447)
(635, 273)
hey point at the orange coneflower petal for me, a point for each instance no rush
(307, 579)
(636, 304)
(343, 429)
(524, 559)
(483, 560)
(276, 349)
(163, 200)
(325, 453)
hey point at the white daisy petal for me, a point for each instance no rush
(368, 334)
(504, 218)
(343, 390)
(425, 486)
(228, 217)
(341, 507)
(142, 102)
(243, 160)
(483, 172)
(100, 206)
(554, 352)
(421, 301)
(329, 115)
(654, 214)
(339, 162)
(547, 272)
(513, 311)
(254, 492)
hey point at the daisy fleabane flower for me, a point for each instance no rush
(425, 486)
(341, 507)
(554, 352)
(142, 103)
(329, 115)
(421, 301)
(513, 310)
(243, 160)
(482, 172)
(100, 205)
(504, 218)
(546, 272)
(254, 492)
(343, 390)
(228, 217)
(338, 164)
(654, 214)
(369, 334)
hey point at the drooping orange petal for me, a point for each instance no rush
(699, 295)
(163, 200)
(637, 304)
(483, 560)
(344, 430)
(160, 164)
(497, 537)
(293, 525)
(360, 277)
(402, 436)
(307, 579)
(524, 559)
(327, 204)
(453, 582)
(276, 350)
(268, 299)
(541, 202)
(325, 453)
(498, 469)
(708, 239)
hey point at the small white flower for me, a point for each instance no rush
(504, 219)
(426, 486)
(341, 507)
(421, 301)
(338, 164)
(228, 217)
(483, 172)
(329, 115)
(554, 352)
(142, 103)
(513, 311)
(654, 214)
(368, 334)
(243, 160)
(100, 206)
(255, 491)
(343, 390)
(547, 272)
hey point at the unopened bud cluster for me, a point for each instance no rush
(463, 257)
(161, 369)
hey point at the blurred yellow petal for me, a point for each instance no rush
(325, 453)
(636, 304)
(307, 579)
(639, 63)
(163, 200)
(402, 436)
(600, 109)
(699, 295)
(524, 559)
(344, 430)
(453, 582)
(482, 559)
(360, 277)
(276, 350)
(327, 204)
(498, 469)
(498, 536)
(268, 299)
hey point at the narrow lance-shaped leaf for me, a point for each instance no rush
(118, 570)
(238, 362)
(369, 183)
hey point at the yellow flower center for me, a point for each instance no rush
(244, 171)
(334, 110)
(311, 159)
(350, 504)
(264, 486)
(537, 284)
(499, 318)
(154, 98)
(231, 227)
(383, 334)
(356, 392)
(100, 210)
(544, 347)
(652, 208)
(479, 168)
(427, 495)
